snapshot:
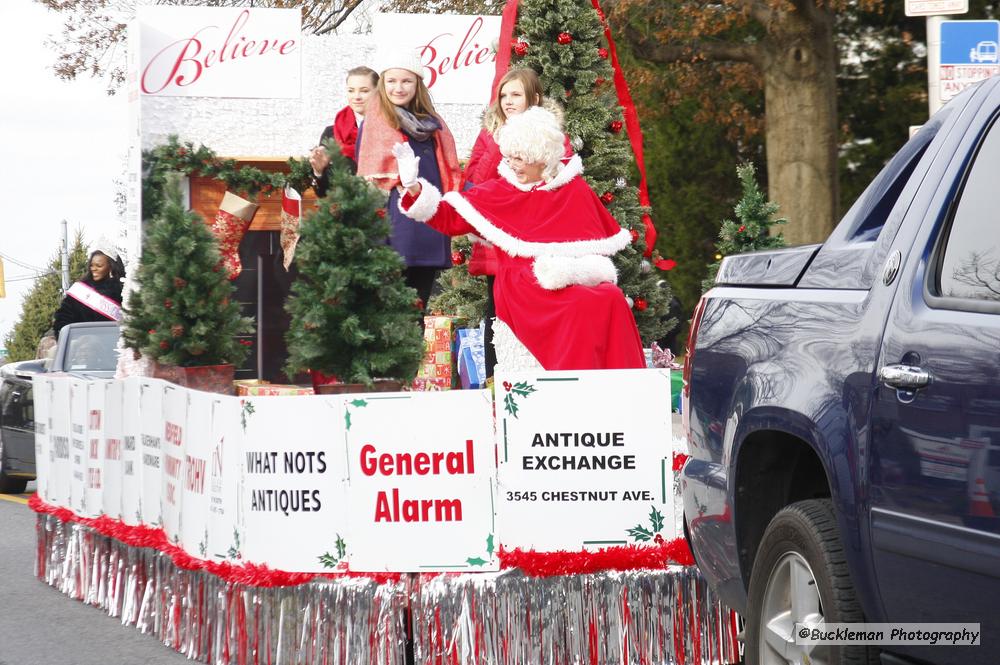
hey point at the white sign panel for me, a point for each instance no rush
(220, 51)
(41, 390)
(196, 502)
(224, 520)
(585, 459)
(151, 450)
(936, 7)
(58, 482)
(112, 500)
(172, 469)
(293, 483)
(455, 50)
(970, 53)
(422, 482)
(131, 451)
(95, 448)
(78, 390)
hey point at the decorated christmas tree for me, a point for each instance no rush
(564, 41)
(352, 315)
(182, 312)
(755, 217)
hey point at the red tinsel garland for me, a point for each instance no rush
(535, 564)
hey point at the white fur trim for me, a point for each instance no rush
(570, 170)
(479, 241)
(426, 204)
(512, 355)
(516, 247)
(557, 272)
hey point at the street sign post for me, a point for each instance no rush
(936, 7)
(970, 52)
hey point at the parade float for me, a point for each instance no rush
(533, 521)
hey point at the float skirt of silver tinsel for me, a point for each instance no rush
(507, 618)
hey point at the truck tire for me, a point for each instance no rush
(9, 485)
(801, 557)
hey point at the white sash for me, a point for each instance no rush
(101, 304)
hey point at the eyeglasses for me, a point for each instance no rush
(515, 160)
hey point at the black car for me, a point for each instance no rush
(86, 349)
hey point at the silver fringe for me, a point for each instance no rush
(507, 618)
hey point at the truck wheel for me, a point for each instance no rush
(800, 575)
(9, 485)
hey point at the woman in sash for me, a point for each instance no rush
(96, 297)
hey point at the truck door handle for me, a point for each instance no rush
(904, 377)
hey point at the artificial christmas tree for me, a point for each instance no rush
(752, 229)
(564, 41)
(352, 315)
(182, 315)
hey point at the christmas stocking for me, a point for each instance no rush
(291, 213)
(230, 225)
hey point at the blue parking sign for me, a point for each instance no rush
(969, 42)
(970, 53)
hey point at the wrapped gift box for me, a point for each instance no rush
(471, 358)
(271, 389)
(440, 352)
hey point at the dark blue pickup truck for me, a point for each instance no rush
(842, 409)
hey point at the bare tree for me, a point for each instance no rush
(93, 33)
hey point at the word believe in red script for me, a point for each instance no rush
(468, 53)
(182, 62)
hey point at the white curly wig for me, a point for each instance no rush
(535, 136)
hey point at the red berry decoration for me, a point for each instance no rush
(603, 52)
(520, 47)
(457, 258)
(599, 81)
(507, 386)
(164, 345)
(741, 229)
(641, 304)
(179, 282)
(634, 234)
(616, 126)
(151, 331)
(419, 304)
(607, 197)
(168, 303)
(564, 38)
(380, 212)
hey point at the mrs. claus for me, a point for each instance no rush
(557, 303)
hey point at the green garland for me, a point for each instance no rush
(185, 158)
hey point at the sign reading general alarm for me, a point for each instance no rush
(219, 51)
(457, 51)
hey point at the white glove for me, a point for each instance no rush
(407, 164)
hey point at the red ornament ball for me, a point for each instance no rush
(634, 234)
(599, 81)
(564, 38)
(616, 126)
(457, 258)
(164, 345)
(380, 212)
(168, 303)
(603, 52)
(151, 331)
(607, 197)
(419, 304)
(641, 304)
(520, 47)
(741, 229)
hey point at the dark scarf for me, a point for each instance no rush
(419, 129)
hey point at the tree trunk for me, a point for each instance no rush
(800, 92)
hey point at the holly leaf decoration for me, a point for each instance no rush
(489, 544)
(328, 560)
(640, 533)
(523, 388)
(341, 547)
(476, 561)
(359, 402)
(347, 419)
(509, 405)
(656, 519)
